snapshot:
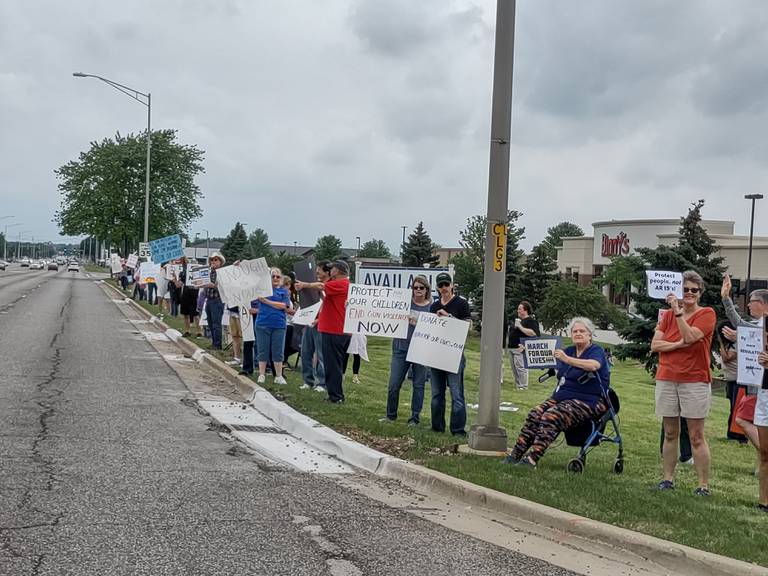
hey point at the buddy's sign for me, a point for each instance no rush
(618, 246)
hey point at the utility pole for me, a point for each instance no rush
(751, 197)
(486, 434)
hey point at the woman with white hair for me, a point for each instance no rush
(270, 328)
(577, 398)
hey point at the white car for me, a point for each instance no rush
(37, 265)
(3, 264)
(73, 267)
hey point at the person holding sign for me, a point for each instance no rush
(271, 324)
(761, 421)
(457, 307)
(525, 326)
(583, 374)
(214, 307)
(312, 368)
(683, 339)
(421, 301)
(187, 298)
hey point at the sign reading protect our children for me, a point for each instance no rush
(662, 282)
(377, 311)
(539, 353)
(438, 342)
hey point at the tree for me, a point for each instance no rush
(259, 245)
(283, 260)
(565, 299)
(695, 251)
(236, 244)
(103, 190)
(374, 249)
(419, 249)
(327, 248)
(623, 274)
(537, 274)
(555, 235)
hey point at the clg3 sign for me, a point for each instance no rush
(499, 245)
(618, 246)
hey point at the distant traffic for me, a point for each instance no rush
(55, 264)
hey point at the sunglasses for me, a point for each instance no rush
(275, 276)
(443, 284)
(692, 290)
(419, 287)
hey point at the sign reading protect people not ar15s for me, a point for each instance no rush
(662, 282)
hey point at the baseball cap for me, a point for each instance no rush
(443, 277)
(341, 266)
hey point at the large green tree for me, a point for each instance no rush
(419, 249)
(374, 249)
(283, 260)
(537, 274)
(565, 299)
(258, 242)
(327, 248)
(624, 275)
(236, 245)
(555, 235)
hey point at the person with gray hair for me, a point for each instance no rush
(583, 375)
(683, 338)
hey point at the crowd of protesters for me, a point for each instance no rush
(682, 339)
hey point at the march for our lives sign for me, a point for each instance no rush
(166, 249)
(539, 353)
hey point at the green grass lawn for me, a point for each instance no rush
(724, 523)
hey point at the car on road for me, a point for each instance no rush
(25, 262)
(53, 266)
(3, 264)
(37, 265)
(73, 267)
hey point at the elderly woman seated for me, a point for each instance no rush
(577, 398)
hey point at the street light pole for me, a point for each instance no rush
(751, 197)
(402, 246)
(147, 101)
(5, 237)
(486, 434)
(358, 243)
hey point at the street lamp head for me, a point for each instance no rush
(79, 75)
(753, 196)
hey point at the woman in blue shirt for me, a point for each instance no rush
(270, 328)
(582, 374)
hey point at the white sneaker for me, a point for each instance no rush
(234, 362)
(261, 379)
(280, 380)
(305, 387)
(320, 389)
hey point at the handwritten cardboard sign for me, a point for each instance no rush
(438, 342)
(133, 259)
(240, 284)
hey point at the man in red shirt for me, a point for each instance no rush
(330, 324)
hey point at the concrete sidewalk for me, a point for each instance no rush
(676, 558)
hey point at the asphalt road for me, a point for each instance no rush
(105, 470)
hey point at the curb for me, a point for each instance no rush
(678, 558)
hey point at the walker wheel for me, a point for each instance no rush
(576, 466)
(618, 466)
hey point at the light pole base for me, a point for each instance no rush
(487, 438)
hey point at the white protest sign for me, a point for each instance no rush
(238, 285)
(162, 286)
(133, 259)
(749, 343)
(539, 353)
(438, 342)
(198, 275)
(305, 316)
(377, 311)
(661, 283)
(149, 271)
(115, 263)
(172, 271)
(246, 324)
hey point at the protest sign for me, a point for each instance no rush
(539, 353)
(144, 252)
(116, 264)
(377, 311)
(162, 286)
(172, 271)
(305, 316)
(165, 249)
(438, 342)
(397, 277)
(148, 272)
(245, 282)
(661, 283)
(246, 323)
(133, 259)
(749, 343)
(198, 275)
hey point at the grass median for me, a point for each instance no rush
(724, 523)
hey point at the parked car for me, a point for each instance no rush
(53, 266)
(3, 264)
(73, 267)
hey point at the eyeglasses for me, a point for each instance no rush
(419, 287)
(274, 276)
(443, 284)
(692, 290)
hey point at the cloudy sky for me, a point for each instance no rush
(356, 117)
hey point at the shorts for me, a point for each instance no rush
(686, 399)
(235, 330)
(761, 408)
(746, 408)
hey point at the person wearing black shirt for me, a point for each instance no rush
(457, 307)
(524, 327)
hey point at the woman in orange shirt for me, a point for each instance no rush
(683, 339)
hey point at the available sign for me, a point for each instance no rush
(661, 283)
(377, 311)
(539, 353)
(438, 342)
(397, 277)
(305, 316)
(166, 249)
(749, 344)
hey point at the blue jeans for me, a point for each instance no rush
(151, 292)
(455, 382)
(398, 370)
(214, 310)
(270, 340)
(311, 344)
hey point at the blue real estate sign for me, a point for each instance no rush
(166, 249)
